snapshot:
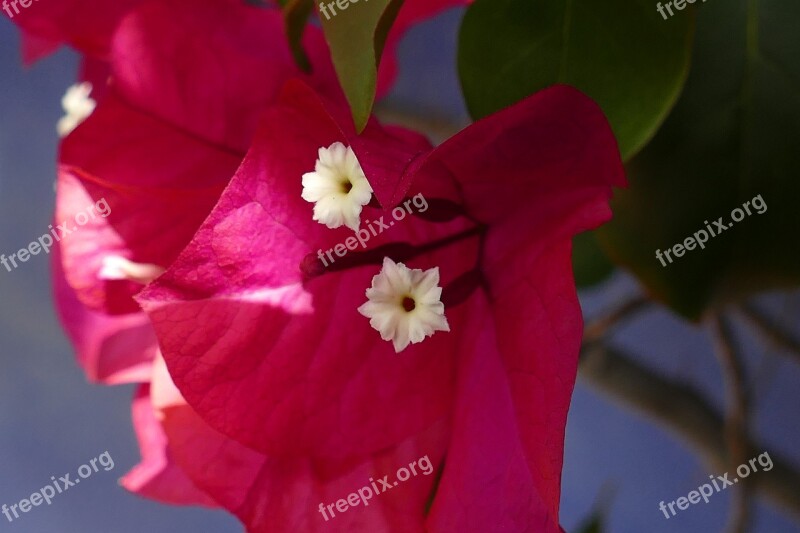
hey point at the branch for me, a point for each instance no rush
(735, 417)
(685, 413)
(600, 327)
(771, 329)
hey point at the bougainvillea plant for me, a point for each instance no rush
(309, 298)
(334, 323)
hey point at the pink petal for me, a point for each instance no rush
(156, 476)
(487, 484)
(298, 357)
(153, 178)
(111, 350)
(552, 161)
(171, 133)
(247, 338)
(83, 24)
(209, 67)
(539, 328)
(269, 494)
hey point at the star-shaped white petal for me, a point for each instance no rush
(77, 105)
(337, 187)
(116, 267)
(405, 305)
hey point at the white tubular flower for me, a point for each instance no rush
(77, 105)
(337, 187)
(405, 305)
(116, 267)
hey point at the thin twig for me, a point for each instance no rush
(600, 327)
(736, 417)
(770, 328)
(685, 413)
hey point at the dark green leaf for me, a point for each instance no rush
(295, 16)
(356, 37)
(732, 136)
(595, 525)
(589, 261)
(622, 53)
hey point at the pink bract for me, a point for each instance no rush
(157, 476)
(168, 133)
(269, 494)
(86, 25)
(277, 358)
(110, 349)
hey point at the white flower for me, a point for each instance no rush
(404, 304)
(116, 267)
(77, 105)
(338, 187)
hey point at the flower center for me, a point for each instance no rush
(415, 290)
(337, 187)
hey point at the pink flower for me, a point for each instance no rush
(177, 106)
(185, 461)
(86, 25)
(267, 346)
(157, 476)
(110, 349)
(188, 81)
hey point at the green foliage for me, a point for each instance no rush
(595, 525)
(356, 38)
(589, 262)
(295, 16)
(619, 52)
(732, 136)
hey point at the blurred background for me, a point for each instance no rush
(621, 460)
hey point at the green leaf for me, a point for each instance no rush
(621, 53)
(356, 37)
(732, 136)
(295, 17)
(589, 261)
(595, 525)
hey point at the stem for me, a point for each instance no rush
(735, 418)
(600, 327)
(771, 329)
(685, 413)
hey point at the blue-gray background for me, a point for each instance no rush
(52, 420)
